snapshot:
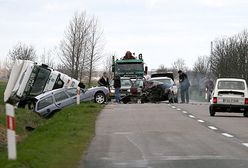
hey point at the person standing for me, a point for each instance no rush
(184, 86)
(117, 86)
(104, 80)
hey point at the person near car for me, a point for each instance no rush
(184, 86)
(117, 86)
(104, 80)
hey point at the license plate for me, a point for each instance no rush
(230, 100)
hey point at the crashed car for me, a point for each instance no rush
(230, 96)
(51, 101)
(165, 85)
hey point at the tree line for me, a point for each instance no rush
(79, 51)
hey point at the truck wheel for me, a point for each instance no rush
(100, 98)
(245, 114)
(211, 111)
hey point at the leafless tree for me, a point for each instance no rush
(47, 58)
(95, 45)
(162, 68)
(73, 46)
(23, 52)
(108, 64)
(201, 65)
(179, 64)
(230, 56)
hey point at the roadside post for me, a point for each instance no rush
(206, 94)
(78, 95)
(11, 135)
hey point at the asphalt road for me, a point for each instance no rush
(163, 135)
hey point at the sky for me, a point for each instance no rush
(162, 30)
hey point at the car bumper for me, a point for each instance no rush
(229, 108)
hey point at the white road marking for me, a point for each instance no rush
(201, 121)
(185, 112)
(245, 144)
(173, 107)
(228, 135)
(191, 116)
(178, 109)
(212, 127)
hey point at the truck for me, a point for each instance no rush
(129, 66)
(29, 79)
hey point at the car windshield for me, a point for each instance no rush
(40, 81)
(138, 83)
(164, 81)
(130, 67)
(234, 85)
(126, 82)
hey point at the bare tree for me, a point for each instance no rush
(108, 64)
(74, 44)
(179, 64)
(47, 58)
(230, 56)
(162, 68)
(95, 45)
(201, 65)
(23, 52)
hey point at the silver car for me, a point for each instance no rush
(54, 100)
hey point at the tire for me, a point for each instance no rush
(245, 114)
(211, 112)
(100, 98)
(31, 105)
(175, 99)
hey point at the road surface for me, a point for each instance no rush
(164, 135)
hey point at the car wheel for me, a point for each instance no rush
(100, 98)
(245, 114)
(31, 105)
(211, 111)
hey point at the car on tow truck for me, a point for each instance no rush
(230, 95)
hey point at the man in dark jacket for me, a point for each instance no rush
(184, 86)
(104, 80)
(117, 86)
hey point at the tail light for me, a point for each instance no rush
(246, 101)
(215, 100)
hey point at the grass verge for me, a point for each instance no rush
(58, 142)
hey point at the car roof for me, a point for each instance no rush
(51, 92)
(230, 79)
(154, 78)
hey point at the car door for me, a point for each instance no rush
(45, 106)
(62, 99)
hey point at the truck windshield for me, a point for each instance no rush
(130, 67)
(40, 81)
(233, 85)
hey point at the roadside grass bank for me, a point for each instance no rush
(58, 142)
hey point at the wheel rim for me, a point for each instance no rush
(100, 98)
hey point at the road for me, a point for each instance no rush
(164, 135)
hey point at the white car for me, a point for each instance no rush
(229, 95)
(171, 83)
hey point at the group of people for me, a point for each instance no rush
(183, 80)
(104, 81)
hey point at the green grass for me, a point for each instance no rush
(58, 142)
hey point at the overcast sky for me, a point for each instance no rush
(162, 30)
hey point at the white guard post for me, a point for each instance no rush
(78, 95)
(11, 135)
(206, 94)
